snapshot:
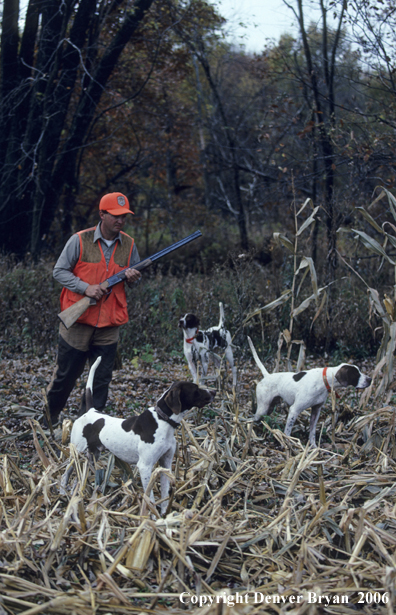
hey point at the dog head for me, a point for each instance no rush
(183, 396)
(189, 321)
(350, 375)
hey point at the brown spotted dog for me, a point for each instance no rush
(306, 389)
(143, 440)
(198, 345)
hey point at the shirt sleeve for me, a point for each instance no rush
(66, 263)
(135, 258)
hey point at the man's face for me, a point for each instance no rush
(111, 225)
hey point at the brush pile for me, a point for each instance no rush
(257, 522)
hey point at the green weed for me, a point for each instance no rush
(29, 304)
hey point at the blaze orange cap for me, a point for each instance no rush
(115, 203)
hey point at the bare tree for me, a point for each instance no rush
(52, 79)
(222, 132)
(318, 79)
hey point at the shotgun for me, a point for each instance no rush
(69, 316)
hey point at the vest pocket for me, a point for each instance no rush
(120, 313)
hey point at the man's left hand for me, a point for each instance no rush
(132, 275)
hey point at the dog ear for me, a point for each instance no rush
(192, 321)
(348, 375)
(172, 399)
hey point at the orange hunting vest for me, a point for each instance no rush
(111, 310)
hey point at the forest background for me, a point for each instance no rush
(284, 159)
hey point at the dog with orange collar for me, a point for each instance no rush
(198, 345)
(306, 389)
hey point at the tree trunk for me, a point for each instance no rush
(42, 131)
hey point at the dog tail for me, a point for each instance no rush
(222, 320)
(256, 358)
(89, 387)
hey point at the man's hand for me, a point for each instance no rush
(94, 292)
(132, 275)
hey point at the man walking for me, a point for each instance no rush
(88, 258)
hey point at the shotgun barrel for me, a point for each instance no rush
(120, 276)
(69, 316)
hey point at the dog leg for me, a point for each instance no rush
(166, 463)
(145, 471)
(191, 363)
(265, 408)
(193, 371)
(265, 401)
(230, 358)
(315, 412)
(294, 412)
(205, 363)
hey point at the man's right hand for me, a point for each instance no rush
(94, 292)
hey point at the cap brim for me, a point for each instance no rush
(120, 211)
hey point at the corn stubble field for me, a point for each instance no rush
(254, 514)
(257, 522)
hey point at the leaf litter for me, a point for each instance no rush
(252, 512)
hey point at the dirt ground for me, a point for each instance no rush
(253, 514)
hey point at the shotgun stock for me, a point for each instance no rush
(69, 316)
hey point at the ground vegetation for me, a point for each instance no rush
(285, 161)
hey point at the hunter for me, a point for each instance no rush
(88, 258)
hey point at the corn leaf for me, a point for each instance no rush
(307, 222)
(373, 245)
(369, 219)
(302, 279)
(319, 310)
(391, 238)
(390, 352)
(307, 201)
(312, 270)
(283, 240)
(301, 355)
(307, 302)
(270, 306)
(378, 305)
(391, 201)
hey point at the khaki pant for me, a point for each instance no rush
(77, 345)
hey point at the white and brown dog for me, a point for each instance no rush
(199, 345)
(306, 389)
(143, 440)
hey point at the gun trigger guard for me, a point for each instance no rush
(108, 293)
(92, 301)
